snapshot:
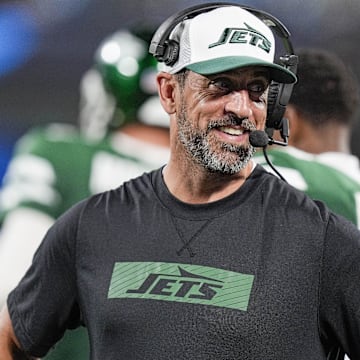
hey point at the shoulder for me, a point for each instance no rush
(55, 138)
(108, 207)
(39, 138)
(300, 218)
(134, 188)
(54, 145)
(309, 172)
(43, 153)
(283, 195)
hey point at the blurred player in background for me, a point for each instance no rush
(124, 132)
(322, 108)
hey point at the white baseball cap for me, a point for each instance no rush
(226, 38)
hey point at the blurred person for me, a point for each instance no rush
(123, 132)
(210, 256)
(322, 110)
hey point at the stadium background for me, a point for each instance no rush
(46, 45)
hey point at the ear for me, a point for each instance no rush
(166, 90)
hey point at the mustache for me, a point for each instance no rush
(232, 120)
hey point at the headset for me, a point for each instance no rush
(166, 50)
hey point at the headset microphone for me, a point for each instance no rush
(258, 138)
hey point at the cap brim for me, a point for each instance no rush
(277, 72)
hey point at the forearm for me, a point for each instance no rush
(9, 345)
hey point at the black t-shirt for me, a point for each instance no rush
(265, 273)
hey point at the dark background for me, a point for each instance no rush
(46, 46)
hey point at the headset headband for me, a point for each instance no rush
(161, 36)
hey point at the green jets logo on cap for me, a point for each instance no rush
(246, 35)
(181, 283)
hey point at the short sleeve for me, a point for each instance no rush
(340, 290)
(45, 302)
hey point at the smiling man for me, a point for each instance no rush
(209, 257)
(219, 140)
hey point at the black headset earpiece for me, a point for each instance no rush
(278, 97)
(166, 50)
(171, 52)
(162, 47)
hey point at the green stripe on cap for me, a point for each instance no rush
(277, 72)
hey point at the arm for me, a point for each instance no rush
(9, 345)
(18, 245)
(339, 305)
(40, 312)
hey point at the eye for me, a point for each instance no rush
(222, 85)
(257, 89)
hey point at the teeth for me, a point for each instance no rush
(231, 131)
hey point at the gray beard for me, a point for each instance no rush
(225, 159)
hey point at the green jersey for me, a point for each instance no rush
(54, 167)
(331, 177)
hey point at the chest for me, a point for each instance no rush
(247, 279)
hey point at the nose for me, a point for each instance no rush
(239, 103)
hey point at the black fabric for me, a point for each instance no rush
(304, 259)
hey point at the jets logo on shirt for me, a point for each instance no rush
(181, 283)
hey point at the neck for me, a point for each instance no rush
(331, 138)
(193, 184)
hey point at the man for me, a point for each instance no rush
(322, 109)
(124, 132)
(209, 257)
